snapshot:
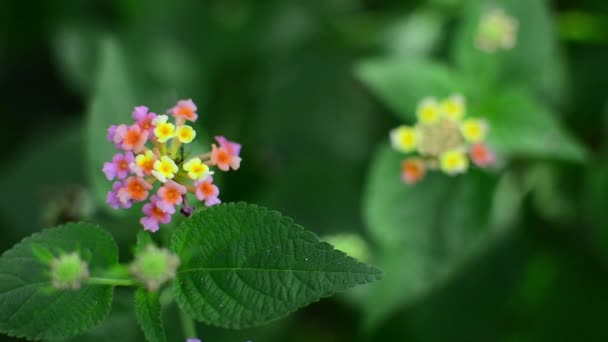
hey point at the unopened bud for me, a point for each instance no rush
(154, 266)
(68, 271)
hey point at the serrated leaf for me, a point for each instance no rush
(27, 307)
(401, 84)
(243, 266)
(426, 231)
(147, 310)
(120, 324)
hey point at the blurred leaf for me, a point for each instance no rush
(32, 188)
(250, 266)
(147, 309)
(29, 309)
(527, 63)
(401, 84)
(295, 190)
(519, 126)
(144, 238)
(561, 297)
(113, 100)
(414, 36)
(426, 231)
(469, 305)
(594, 200)
(76, 49)
(549, 193)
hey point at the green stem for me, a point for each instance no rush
(111, 281)
(187, 325)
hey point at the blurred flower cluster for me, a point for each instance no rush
(442, 139)
(496, 31)
(139, 167)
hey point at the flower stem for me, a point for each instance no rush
(111, 281)
(187, 325)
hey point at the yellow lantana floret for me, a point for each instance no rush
(197, 169)
(474, 130)
(428, 110)
(453, 107)
(164, 169)
(163, 130)
(186, 134)
(453, 162)
(404, 139)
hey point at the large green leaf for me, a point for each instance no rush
(29, 309)
(426, 231)
(243, 265)
(402, 83)
(112, 103)
(147, 310)
(520, 126)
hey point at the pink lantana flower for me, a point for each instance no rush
(207, 191)
(119, 166)
(134, 139)
(193, 340)
(135, 189)
(112, 197)
(111, 133)
(412, 170)
(481, 155)
(144, 119)
(185, 109)
(226, 156)
(170, 195)
(154, 215)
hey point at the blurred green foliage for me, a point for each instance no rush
(311, 89)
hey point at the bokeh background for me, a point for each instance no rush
(290, 80)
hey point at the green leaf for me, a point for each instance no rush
(426, 231)
(147, 309)
(243, 266)
(520, 126)
(401, 84)
(29, 309)
(113, 101)
(120, 324)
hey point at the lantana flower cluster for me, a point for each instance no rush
(443, 139)
(155, 166)
(496, 31)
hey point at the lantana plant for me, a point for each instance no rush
(443, 139)
(233, 265)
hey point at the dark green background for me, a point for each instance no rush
(279, 77)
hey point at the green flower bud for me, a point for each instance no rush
(68, 271)
(154, 266)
